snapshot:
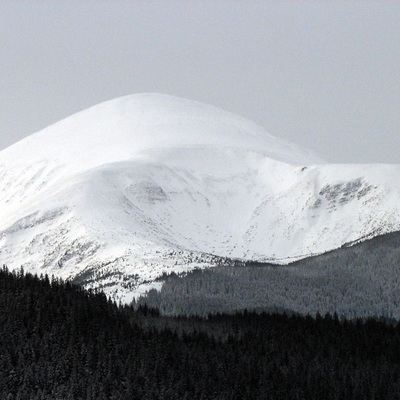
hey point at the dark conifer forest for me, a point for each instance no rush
(59, 341)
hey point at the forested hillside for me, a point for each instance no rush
(358, 281)
(61, 342)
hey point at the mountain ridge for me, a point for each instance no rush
(149, 183)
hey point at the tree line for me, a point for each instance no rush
(355, 282)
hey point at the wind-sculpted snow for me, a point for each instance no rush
(116, 195)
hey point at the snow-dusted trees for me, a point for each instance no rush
(358, 281)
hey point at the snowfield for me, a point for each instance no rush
(118, 194)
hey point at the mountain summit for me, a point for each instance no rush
(117, 194)
(129, 127)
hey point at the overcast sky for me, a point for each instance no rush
(324, 74)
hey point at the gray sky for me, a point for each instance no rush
(324, 74)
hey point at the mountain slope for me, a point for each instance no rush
(359, 281)
(119, 193)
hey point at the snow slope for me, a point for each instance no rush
(118, 194)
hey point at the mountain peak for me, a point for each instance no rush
(130, 126)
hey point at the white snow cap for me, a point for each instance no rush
(129, 126)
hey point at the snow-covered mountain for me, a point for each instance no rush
(118, 194)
